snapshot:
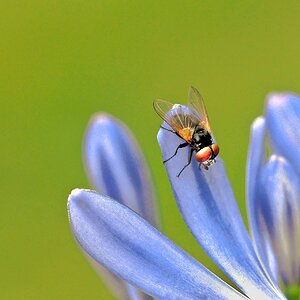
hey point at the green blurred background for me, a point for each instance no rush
(61, 61)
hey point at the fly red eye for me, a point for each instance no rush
(215, 149)
(204, 154)
(207, 153)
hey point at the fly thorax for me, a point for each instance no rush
(202, 138)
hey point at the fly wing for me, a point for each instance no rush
(162, 107)
(197, 107)
(179, 117)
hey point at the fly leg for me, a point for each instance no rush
(189, 162)
(180, 146)
(204, 166)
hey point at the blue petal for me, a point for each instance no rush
(279, 194)
(255, 162)
(116, 166)
(134, 250)
(283, 121)
(208, 206)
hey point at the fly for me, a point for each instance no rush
(191, 124)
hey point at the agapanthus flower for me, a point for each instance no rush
(117, 225)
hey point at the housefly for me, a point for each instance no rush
(191, 124)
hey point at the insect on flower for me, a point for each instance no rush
(191, 124)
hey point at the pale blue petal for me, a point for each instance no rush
(283, 121)
(279, 194)
(255, 162)
(272, 262)
(136, 294)
(208, 206)
(121, 289)
(134, 250)
(118, 287)
(116, 166)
